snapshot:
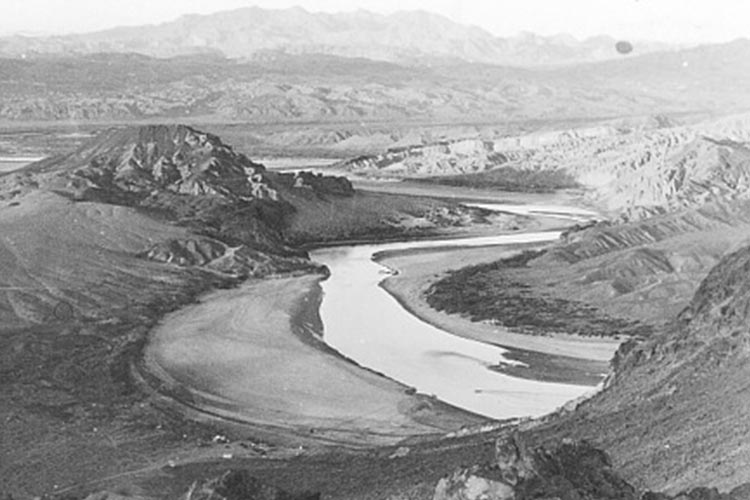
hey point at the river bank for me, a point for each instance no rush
(258, 355)
(417, 270)
(369, 325)
(253, 355)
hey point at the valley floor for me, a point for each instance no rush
(239, 378)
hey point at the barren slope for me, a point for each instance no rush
(627, 172)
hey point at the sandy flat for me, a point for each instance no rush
(417, 270)
(248, 354)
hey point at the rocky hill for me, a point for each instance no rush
(178, 159)
(407, 36)
(221, 211)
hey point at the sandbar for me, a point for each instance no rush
(253, 355)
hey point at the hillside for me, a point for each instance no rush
(670, 420)
(255, 32)
(626, 172)
(156, 175)
(292, 88)
(672, 414)
(671, 272)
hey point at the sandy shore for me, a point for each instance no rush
(251, 355)
(563, 358)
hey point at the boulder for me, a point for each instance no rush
(463, 485)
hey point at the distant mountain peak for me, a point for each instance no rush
(403, 37)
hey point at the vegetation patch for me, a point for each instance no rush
(509, 179)
(498, 293)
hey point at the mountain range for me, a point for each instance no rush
(291, 65)
(323, 87)
(404, 37)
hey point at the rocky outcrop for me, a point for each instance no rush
(318, 183)
(571, 470)
(464, 485)
(721, 303)
(193, 252)
(140, 160)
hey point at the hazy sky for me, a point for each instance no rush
(668, 20)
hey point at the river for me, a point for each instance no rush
(365, 323)
(237, 352)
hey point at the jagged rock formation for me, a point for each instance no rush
(158, 157)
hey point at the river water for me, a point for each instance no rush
(365, 323)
